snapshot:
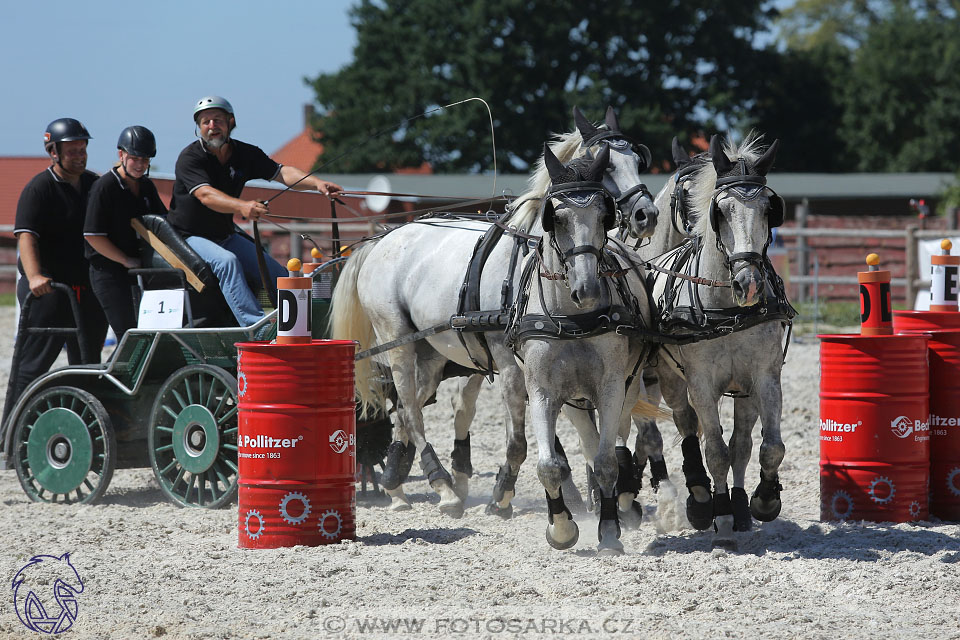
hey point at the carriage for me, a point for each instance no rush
(164, 399)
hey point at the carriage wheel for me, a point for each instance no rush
(193, 437)
(64, 447)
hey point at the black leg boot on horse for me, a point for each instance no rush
(628, 487)
(396, 470)
(700, 508)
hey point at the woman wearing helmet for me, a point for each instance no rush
(123, 193)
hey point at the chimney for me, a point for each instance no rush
(307, 115)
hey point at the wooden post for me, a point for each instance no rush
(296, 245)
(803, 258)
(913, 266)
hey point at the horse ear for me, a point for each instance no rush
(721, 162)
(611, 119)
(599, 165)
(583, 125)
(765, 163)
(680, 156)
(554, 167)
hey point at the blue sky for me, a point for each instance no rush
(112, 64)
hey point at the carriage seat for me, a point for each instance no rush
(164, 248)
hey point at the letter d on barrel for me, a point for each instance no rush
(293, 299)
(876, 315)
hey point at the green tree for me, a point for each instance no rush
(668, 68)
(902, 100)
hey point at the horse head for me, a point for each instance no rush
(622, 179)
(577, 213)
(740, 213)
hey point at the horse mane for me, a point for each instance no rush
(526, 215)
(704, 180)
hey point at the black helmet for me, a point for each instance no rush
(138, 141)
(64, 130)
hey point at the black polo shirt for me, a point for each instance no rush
(196, 168)
(111, 207)
(53, 211)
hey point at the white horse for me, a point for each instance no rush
(732, 212)
(410, 280)
(574, 296)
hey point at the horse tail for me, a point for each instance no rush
(348, 321)
(644, 409)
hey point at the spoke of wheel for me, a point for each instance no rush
(223, 399)
(227, 416)
(165, 447)
(227, 445)
(79, 495)
(231, 430)
(73, 403)
(193, 481)
(230, 464)
(49, 405)
(173, 414)
(201, 487)
(87, 482)
(163, 471)
(213, 489)
(220, 475)
(83, 413)
(40, 493)
(160, 427)
(183, 405)
(186, 383)
(179, 477)
(213, 387)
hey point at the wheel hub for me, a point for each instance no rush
(196, 438)
(59, 450)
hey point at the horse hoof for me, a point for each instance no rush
(397, 504)
(742, 521)
(632, 517)
(610, 551)
(565, 544)
(452, 509)
(700, 514)
(461, 485)
(493, 509)
(764, 511)
(726, 544)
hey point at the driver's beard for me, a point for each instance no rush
(215, 143)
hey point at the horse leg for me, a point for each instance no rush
(416, 376)
(718, 460)
(585, 424)
(464, 409)
(765, 502)
(611, 414)
(562, 531)
(514, 395)
(699, 501)
(745, 415)
(629, 478)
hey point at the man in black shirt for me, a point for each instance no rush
(210, 176)
(49, 231)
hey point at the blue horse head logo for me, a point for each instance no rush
(40, 610)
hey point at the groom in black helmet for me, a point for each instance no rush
(49, 231)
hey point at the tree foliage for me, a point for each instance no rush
(667, 67)
(850, 85)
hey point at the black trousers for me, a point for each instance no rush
(112, 287)
(38, 352)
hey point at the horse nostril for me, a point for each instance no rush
(737, 289)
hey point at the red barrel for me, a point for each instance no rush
(297, 443)
(925, 320)
(874, 434)
(944, 355)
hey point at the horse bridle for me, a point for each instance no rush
(743, 185)
(567, 191)
(616, 140)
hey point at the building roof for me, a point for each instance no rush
(301, 151)
(15, 173)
